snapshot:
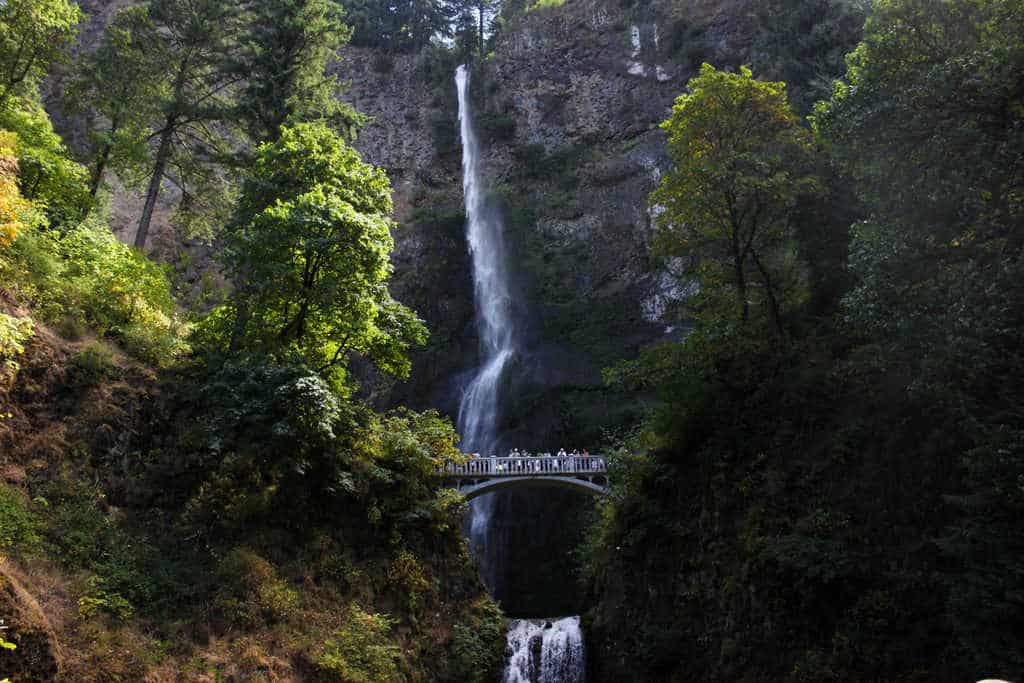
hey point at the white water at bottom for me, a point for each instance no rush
(545, 651)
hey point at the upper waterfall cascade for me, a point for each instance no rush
(479, 406)
(478, 409)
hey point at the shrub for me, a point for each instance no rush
(358, 652)
(77, 528)
(55, 184)
(91, 365)
(87, 275)
(99, 598)
(13, 207)
(477, 647)
(544, 4)
(19, 526)
(406, 573)
(252, 593)
(14, 332)
(498, 126)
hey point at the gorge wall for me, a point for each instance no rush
(571, 100)
(568, 104)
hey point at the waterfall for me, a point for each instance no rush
(478, 410)
(545, 651)
(542, 651)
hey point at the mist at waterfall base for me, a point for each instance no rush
(541, 652)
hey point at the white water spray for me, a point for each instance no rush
(478, 410)
(545, 652)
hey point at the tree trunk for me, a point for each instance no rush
(770, 290)
(241, 321)
(104, 158)
(741, 280)
(153, 192)
(14, 79)
(101, 165)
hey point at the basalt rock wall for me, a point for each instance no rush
(568, 108)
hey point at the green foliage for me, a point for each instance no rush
(192, 43)
(740, 164)
(499, 127)
(951, 66)
(14, 333)
(98, 598)
(285, 49)
(937, 262)
(90, 275)
(402, 26)
(78, 527)
(360, 651)
(310, 249)
(57, 186)
(274, 447)
(129, 570)
(406, 574)
(544, 4)
(862, 483)
(121, 81)
(477, 648)
(251, 592)
(19, 526)
(92, 365)
(263, 446)
(805, 43)
(33, 34)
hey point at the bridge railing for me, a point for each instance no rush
(530, 466)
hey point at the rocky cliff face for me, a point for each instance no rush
(569, 105)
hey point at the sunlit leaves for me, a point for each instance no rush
(33, 33)
(312, 245)
(739, 167)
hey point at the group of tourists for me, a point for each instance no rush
(538, 465)
(517, 453)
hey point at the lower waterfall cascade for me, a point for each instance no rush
(545, 651)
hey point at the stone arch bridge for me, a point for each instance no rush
(475, 477)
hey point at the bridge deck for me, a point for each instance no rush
(484, 468)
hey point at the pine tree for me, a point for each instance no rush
(285, 51)
(192, 41)
(121, 84)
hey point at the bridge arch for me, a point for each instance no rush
(475, 489)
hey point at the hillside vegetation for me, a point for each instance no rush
(830, 488)
(817, 472)
(201, 495)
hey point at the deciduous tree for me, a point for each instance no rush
(739, 166)
(33, 34)
(310, 249)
